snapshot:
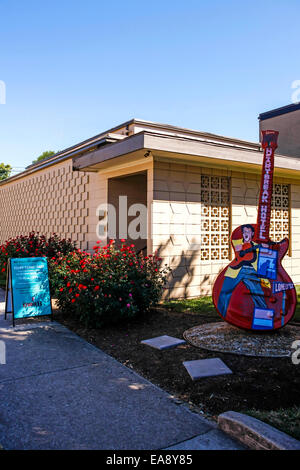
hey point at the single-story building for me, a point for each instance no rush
(197, 187)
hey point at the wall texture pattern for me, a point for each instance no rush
(50, 201)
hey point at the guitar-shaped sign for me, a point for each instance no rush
(254, 291)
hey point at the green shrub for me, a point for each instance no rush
(108, 286)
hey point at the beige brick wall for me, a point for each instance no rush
(176, 225)
(51, 200)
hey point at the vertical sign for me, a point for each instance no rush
(269, 144)
(28, 289)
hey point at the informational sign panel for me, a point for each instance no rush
(28, 289)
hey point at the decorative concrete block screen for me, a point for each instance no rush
(280, 215)
(215, 217)
(52, 200)
(215, 220)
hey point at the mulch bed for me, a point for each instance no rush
(256, 382)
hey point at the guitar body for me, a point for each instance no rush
(254, 291)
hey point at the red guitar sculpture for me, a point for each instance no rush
(254, 291)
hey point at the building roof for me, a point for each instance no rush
(136, 135)
(279, 111)
(121, 132)
(129, 128)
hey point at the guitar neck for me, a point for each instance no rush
(269, 144)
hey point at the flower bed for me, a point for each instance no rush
(107, 286)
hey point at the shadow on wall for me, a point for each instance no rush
(184, 279)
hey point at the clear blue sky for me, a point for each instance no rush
(73, 69)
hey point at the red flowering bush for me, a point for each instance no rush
(107, 286)
(34, 244)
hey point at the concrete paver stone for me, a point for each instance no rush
(163, 342)
(206, 368)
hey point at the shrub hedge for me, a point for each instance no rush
(110, 285)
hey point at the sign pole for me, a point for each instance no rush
(6, 288)
(51, 316)
(9, 305)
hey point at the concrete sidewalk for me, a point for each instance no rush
(59, 392)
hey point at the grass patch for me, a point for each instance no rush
(201, 305)
(205, 306)
(286, 420)
(297, 313)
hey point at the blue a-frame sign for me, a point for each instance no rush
(28, 288)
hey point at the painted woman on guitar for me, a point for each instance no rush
(245, 271)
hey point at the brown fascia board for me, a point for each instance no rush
(163, 143)
(128, 145)
(137, 142)
(227, 152)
